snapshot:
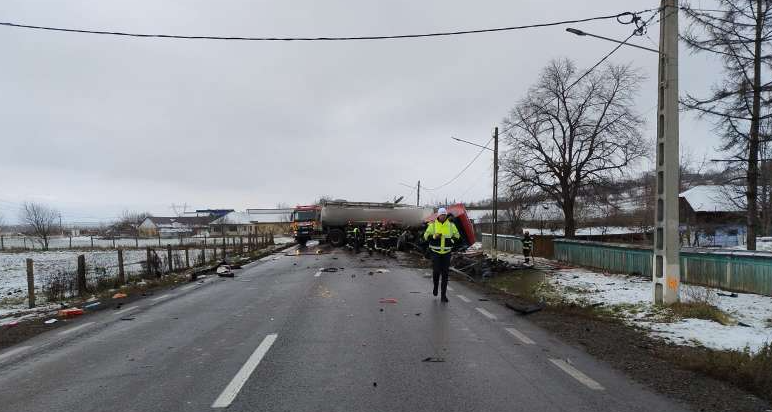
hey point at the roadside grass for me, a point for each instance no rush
(699, 310)
(13, 301)
(751, 371)
(518, 282)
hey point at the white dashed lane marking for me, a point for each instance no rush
(126, 310)
(161, 297)
(229, 393)
(64, 332)
(577, 374)
(13, 352)
(520, 336)
(464, 298)
(487, 314)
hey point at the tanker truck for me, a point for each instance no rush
(332, 220)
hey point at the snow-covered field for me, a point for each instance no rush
(633, 295)
(85, 241)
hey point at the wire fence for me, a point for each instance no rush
(11, 243)
(54, 276)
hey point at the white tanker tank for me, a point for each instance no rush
(338, 214)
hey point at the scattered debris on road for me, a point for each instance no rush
(524, 309)
(387, 300)
(120, 295)
(433, 359)
(71, 312)
(329, 270)
(50, 321)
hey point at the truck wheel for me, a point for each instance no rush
(337, 238)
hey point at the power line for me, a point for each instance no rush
(617, 16)
(474, 159)
(640, 30)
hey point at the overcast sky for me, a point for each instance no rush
(93, 125)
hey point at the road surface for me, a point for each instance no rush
(285, 336)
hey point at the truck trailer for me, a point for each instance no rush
(334, 221)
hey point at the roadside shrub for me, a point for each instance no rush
(749, 370)
(60, 285)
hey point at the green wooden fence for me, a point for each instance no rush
(740, 271)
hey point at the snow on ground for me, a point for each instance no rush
(588, 287)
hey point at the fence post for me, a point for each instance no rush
(92, 241)
(82, 275)
(2, 242)
(113, 242)
(136, 241)
(30, 284)
(241, 245)
(70, 241)
(25, 242)
(187, 259)
(203, 256)
(149, 264)
(159, 239)
(169, 256)
(121, 273)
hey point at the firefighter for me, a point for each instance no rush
(370, 237)
(357, 239)
(527, 246)
(442, 235)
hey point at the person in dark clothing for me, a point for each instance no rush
(527, 246)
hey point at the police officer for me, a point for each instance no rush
(527, 246)
(442, 234)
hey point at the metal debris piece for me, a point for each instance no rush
(433, 359)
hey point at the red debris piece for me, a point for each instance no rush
(68, 313)
(388, 300)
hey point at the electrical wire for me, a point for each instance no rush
(474, 159)
(640, 30)
(617, 16)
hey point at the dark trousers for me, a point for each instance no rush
(440, 269)
(527, 254)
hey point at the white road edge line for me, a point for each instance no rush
(64, 332)
(450, 288)
(229, 393)
(577, 374)
(520, 336)
(126, 310)
(464, 298)
(13, 352)
(189, 286)
(161, 297)
(487, 314)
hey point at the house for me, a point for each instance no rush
(174, 226)
(252, 222)
(276, 221)
(713, 216)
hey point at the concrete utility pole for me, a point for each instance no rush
(418, 195)
(667, 273)
(495, 199)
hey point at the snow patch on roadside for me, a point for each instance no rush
(634, 294)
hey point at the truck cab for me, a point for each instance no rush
(306, 223)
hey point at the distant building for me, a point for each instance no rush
(713, 216)
(174, 226)
(252, 222)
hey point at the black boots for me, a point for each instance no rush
(434, 291)
(444, 298)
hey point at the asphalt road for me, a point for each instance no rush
(283, 336)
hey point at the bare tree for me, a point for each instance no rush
(571, 131)
(739, 105)
(519, 201)
(41, 221)
(129, 222)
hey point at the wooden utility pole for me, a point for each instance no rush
(82, 275)
(30, 284)
(121, 273)
(495, 198)
(667, 271)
